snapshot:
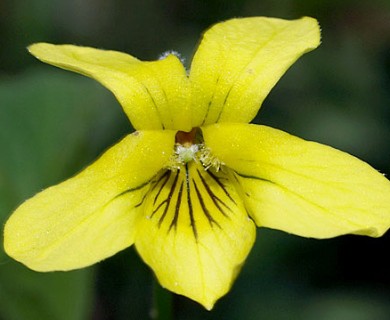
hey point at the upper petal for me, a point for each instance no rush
(196, 234)
(299, 186)
(240, 60)
(154, 95)
(92, 215)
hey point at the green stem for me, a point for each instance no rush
(162, 303)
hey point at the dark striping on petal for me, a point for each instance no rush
(189, 195)
(216, 200)
(155, 104)
(209, 104)
(131, 190)
(204, 208)
(141, 202)
(224, 104)
(207, 112)
(190, 208)
(282, 187)
(250, 177)
(177, 209)
(141, 186)
(218, 181)
(165, 176)
(167, 201)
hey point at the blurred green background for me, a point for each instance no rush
(53, 123)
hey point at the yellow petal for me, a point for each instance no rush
(240, 60)
(196, 234)
(92, 215)
(153, 94)
(299, 186)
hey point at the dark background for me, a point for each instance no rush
(53, 123)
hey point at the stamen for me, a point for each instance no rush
(209, 160)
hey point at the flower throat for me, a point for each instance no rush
(189, 146)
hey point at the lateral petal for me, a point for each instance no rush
(196, 234)
(92, 215)
(240, 60)
(154, 95)
(302, 187)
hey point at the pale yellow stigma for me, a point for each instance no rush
(186, 153)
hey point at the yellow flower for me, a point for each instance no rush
(190, 185)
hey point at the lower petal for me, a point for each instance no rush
(92, 215)
(299, 186)
(196, 234)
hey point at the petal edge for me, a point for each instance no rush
(92, 215)
(239, 61)
(153, 94)
(299, 186)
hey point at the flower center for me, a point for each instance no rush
(189, 146)
(186, 153)
(185, 147)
